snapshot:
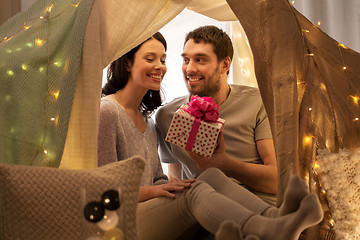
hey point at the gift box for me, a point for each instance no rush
(196, 126)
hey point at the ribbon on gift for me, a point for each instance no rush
(192, 135)
(202, 108)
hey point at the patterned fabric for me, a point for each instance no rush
(193, 134)
(48, 203)
(40, 53)
(339, 174)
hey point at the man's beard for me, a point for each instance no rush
(210, 88)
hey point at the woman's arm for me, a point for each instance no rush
(163, 190)
(107, 132)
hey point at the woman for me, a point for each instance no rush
(167, 208)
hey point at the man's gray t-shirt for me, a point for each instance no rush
(246, 122)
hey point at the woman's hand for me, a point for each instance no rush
(164, 190)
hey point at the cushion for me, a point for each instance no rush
(50, 203)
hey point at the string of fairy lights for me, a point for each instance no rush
(310, 141)
(108, 221)
(37, 42)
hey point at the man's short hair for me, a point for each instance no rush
(221, 42)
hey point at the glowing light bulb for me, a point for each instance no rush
(39, 42)
(292, 2)
(331, 222)
(41, 17)
(52, 119)
(45, 151)
(311, 54)
(304, 30)
(316, 165)
(356, 119)
(344, 67)
(10, 72)
(50, 8)
(319, 23)
(307, 139)
(24, 67)
(56, 95)
(26, 27)
(343, 46)
(6, 39)
(8, 98)
(355, 99)
(322, 85)
(310, 109)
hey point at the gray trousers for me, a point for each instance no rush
(211, 199)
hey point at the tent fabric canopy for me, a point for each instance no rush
(309, 83)
(39, 62)
(297, 66)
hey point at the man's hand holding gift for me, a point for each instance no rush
(216, 160)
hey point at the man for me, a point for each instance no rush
(245, 149)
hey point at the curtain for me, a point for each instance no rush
(339, 19)
(8, 9)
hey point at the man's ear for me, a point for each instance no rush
(226, 65)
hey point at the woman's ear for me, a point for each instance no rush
(128, 65)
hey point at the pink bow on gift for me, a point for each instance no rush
(204, 108)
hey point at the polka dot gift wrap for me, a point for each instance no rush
(194, 134)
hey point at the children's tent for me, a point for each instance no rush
(53, 54)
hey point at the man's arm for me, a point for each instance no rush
(266, 151)
(262, 178)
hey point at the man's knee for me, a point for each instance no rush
(211, 174)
